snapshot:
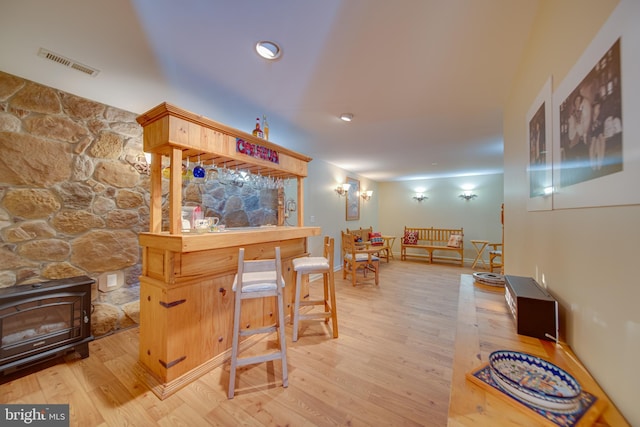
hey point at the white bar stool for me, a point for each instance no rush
(314, 265)
(258, 279)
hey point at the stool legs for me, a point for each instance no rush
(330, 289)
(329, 303)
(234, 345)
(282, 354)
(263, 280)
(296, 306)
(282, 339)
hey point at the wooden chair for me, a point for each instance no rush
(384, 250)
(355, 257)
(314, 265)
(494, 253)
(258, 279)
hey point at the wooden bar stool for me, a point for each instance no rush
(313, 265)
(258, 279)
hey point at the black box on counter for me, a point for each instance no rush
(534, 310)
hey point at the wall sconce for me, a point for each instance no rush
(468, 195)
(366, 195)
(420, 197)
(342, 189)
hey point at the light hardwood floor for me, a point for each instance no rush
(391, 365)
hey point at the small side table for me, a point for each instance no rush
(389, 240)
(480, 246)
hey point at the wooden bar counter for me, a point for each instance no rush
(485, 325)
(186, 296)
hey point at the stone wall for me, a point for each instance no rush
(71, 200)
(74, 193)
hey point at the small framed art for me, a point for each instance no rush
(353, 200)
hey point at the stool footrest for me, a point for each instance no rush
(244, 361)
(318, 315)
(265, 330)
(313, 302)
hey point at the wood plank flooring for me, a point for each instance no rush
(391, 365)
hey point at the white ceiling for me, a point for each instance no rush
(425, 79)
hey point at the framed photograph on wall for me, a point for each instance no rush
(540, 166)
(353, 200)
(594, 159)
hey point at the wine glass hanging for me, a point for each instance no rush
(226, 175)
(198, 170)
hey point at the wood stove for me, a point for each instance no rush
(45, 320)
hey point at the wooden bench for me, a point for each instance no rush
(363, 233)
(433, 240)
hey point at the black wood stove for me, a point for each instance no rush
(45, 320)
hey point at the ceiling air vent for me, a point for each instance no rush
(47, 54)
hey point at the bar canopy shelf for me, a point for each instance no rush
(167, 127)
(182, 135)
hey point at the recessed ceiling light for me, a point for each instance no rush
(347, 117)
(268, 50)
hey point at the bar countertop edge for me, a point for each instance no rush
(192, 241)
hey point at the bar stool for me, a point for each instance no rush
(258, 279)
(313, 265)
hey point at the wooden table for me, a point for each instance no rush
(485, 325)
(380, 249)
(389, 241)
(480, 246)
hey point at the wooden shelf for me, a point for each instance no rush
(180, 134)
(168, 127)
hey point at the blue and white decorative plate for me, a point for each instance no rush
(535, 381)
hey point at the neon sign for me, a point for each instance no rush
(257, 151)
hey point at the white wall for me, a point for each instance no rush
(586, 257)
(480, 217)
(323, 207)
(392, 206)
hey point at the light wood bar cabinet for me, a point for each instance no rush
(186, 300)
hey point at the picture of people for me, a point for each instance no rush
(537, 153)
(591, 124)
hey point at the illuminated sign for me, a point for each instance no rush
(257, 151)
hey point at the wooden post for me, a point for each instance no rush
(175, 193)
(155, 208)
(300, 201)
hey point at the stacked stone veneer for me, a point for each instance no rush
(74, 193)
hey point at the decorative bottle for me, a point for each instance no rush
(265, 127)
(257, 132)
